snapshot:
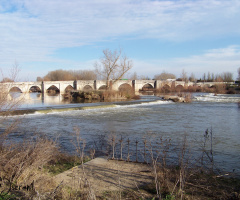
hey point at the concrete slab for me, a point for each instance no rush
(107, 175)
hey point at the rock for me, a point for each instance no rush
(174, 98)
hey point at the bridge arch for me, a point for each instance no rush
(103, 87)
(35, 88)
(69, 88)
(15, 89)
(208, 85)
(87, 88)
(125, 87)
(179, 88)
(166, 88)
(53, 89)
(148, 87)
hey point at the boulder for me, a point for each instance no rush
(174, 98)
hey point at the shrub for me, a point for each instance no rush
(19, 161)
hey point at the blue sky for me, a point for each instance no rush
(197, 36)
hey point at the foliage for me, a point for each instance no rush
(7, 80)
(223, 77)
(192, 78)
(63, 162)
(184, 76)
(164, 76)
(67, 75)
(6, 196)
(19, 160)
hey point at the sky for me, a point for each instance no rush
(197, 36)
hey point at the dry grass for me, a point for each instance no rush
(19, 162)
(40, 160)
(123, 94)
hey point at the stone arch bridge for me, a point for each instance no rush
(87, 85)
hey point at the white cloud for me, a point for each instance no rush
(31, 30)
(215, 61)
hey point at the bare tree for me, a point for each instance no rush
(209, 77)
(144, 77)
(213, 77)
(164, 76)
(184, 75)
(39, 78)
(134, 76)
(227, 76)
(19, 160)
(192, 78)
(13, 73)
(204, 77)
(6, 79)
(224, 77)
(112, 66)
(218, 78)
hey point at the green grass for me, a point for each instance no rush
(5, 196)
(64, 163)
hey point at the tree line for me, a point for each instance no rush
(67, 75)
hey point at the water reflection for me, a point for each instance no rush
(35, 99)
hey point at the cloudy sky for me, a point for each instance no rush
(198, 36)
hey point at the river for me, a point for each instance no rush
(149, 118)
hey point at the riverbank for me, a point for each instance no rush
(101, 178)
(104, 95)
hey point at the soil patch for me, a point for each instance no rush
(107, 175)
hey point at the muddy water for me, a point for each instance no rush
(149, 118)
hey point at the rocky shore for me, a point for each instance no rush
(182, 99)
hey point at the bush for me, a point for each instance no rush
(19, 161)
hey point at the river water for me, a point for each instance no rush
(149, 118)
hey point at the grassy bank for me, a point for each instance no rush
(28, 171)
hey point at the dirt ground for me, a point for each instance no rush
(107, 175)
